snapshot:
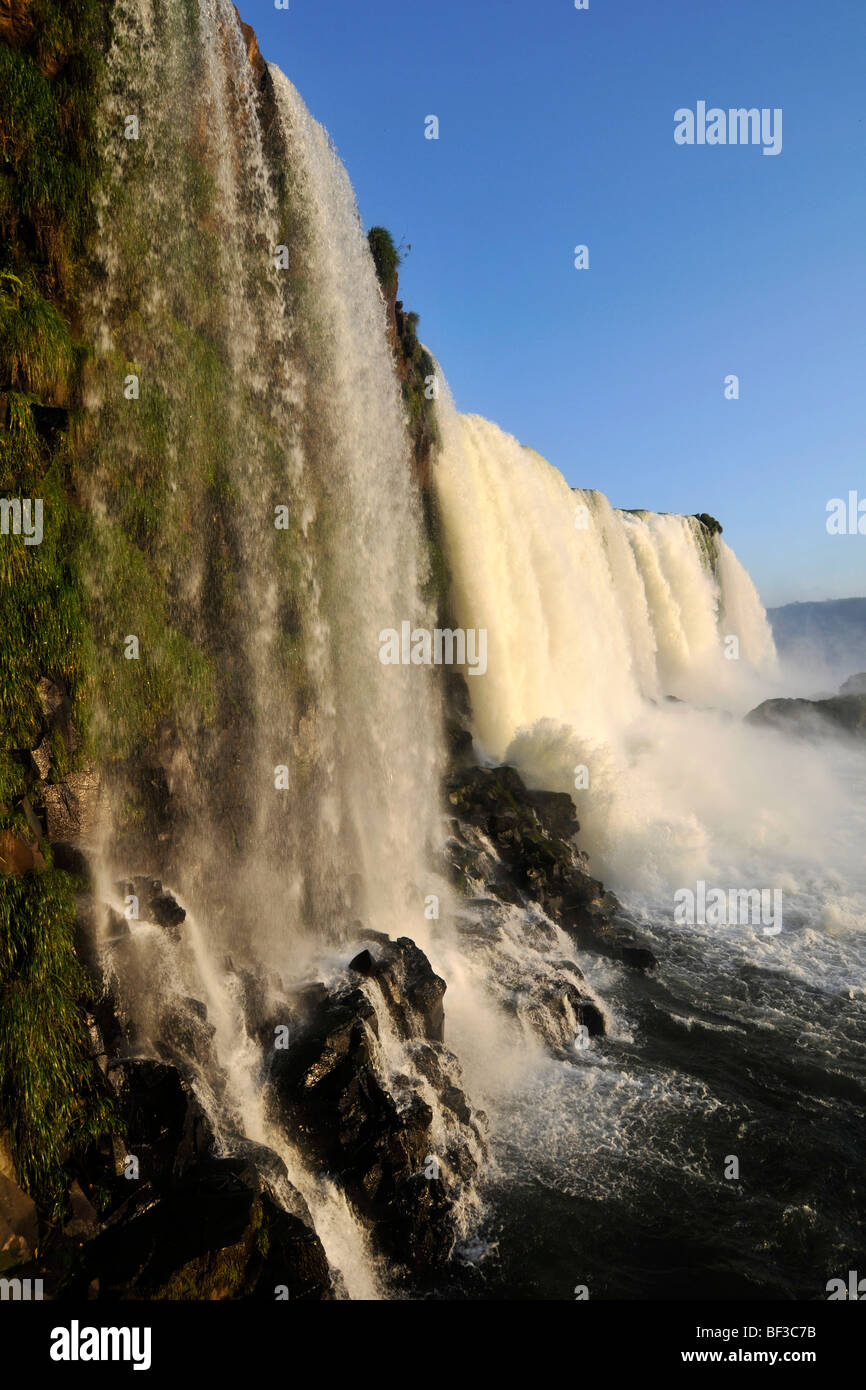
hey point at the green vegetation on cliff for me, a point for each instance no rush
(51, 1098)
(386, 258)
(416, 370)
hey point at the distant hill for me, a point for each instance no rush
(828, 640)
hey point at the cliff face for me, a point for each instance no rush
(53, 1105)
(418, 378)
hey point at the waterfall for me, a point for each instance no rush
(590, 612)
(256, 525)
(597, 617)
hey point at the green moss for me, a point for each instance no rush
(51, 1099)
(170, 673)
(41, 604)
(386, 257)
(51, 1096)
(220, 1274)
(47, 144)
(35, 342)
(13, 777)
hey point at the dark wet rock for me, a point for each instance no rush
(453, 1097)
(163, 1125)
(457, 708)
(532, 833)
(556, 811)
(185, 1033)
(459, 742)
(413, 993)
(590, 1016)
(217, 1233)
(638, 957)
(709, 522)
(72, 860)
(113, 1037)
(86, 937)
(154, 903)
(83, 1221)
(363, 963)
(585, 913)
(166, 911)
(373, 1134)
(840, 714)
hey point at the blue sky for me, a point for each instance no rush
(556, 128)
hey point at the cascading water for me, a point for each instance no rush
(589, 611)
(595, 619)
(250, 447)
(746, 1043)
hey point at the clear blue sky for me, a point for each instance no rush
(556, 128)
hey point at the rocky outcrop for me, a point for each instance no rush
(154, 903)
(375, 1100)
(164, 1127)
(536, 857)
(19, 1224)
(359, 1078)
(72, 806)
(54, 806)
(179, 1221)
(254, 53)
(840, 714)
(19, 852)
(216, 1232)
(412, 993)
